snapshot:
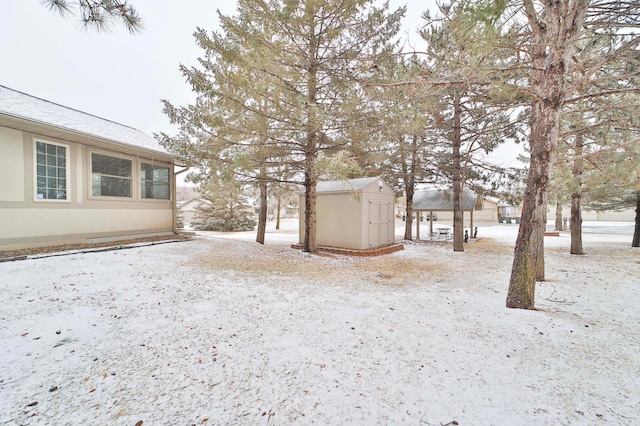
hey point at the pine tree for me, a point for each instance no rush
(227, 208)
(297, 67)
(99, 13)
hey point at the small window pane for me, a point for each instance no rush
(51, 171)
(110, 176)
(154, 182)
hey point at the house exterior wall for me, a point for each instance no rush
(628, 215)
(189, 210)
(26, 221)
(11, 165)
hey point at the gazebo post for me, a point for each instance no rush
(471, 224)
(431, 225)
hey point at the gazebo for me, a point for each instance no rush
(438, 200)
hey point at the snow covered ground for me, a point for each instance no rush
(223, 331)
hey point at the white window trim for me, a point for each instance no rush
(67, 166)
(134, 177)
(153, 163)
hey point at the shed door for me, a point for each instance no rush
(380, 231)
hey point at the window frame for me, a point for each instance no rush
(140, 180)
(132, 177)
(67, 168)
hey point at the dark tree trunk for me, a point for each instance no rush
(311, 148)
(310, 213)
(408, 226)
(458, 225)
(528, 260)
(554, 28)
(559, 216)
(262, 212)
(409, 177)
(278, 213)
(576, 223)
(576, 200)
(636, 232)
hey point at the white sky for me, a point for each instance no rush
(115, 75)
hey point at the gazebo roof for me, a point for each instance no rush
(442, 200)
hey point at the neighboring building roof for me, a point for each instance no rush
(193, 203)
(498, 202)
(442, 200)
(27, 107)
(345, 185)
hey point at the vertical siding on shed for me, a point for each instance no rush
(378, 228)
(339, 218)
(343, 221)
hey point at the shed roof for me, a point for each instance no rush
(23, 106)
(442, 200)
(346, 185)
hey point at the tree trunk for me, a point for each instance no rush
(559, 215)
(262, 212)
(636, 232)
(408, 226)
(555, 27)
(576, 223)
(409, 177)
(458, 225)
(576, 200)
(311, 148)
(528, 260)
(310, 213)
(278, 213)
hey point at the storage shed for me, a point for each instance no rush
(355, 214)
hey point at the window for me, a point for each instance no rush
(154, 181)
(51, 171)
(110, 176)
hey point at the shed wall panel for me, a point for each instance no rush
(338, 220)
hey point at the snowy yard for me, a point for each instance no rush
(221, 331)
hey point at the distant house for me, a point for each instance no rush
(353, 214)
(189, 209)
(503, 211)
(71, 177)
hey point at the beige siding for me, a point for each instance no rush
(378, 226)
(339, 220)
(344, 221)
(28, 226)
(12, 170)
(28, 222)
